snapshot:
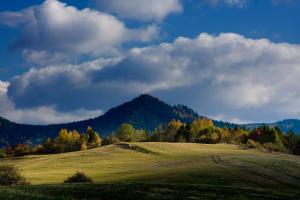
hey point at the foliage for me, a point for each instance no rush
(201, 130)
(19, 150)
(263, 134)
(92, 138)
(10, 175)
(252, 144)
(78, 177)
(111, 139)
(167, 132)
(127, 133)
(68, 141)
(2, 153)
(296, 147)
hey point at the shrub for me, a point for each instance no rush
(2, 154)
(274, 147)
(78, 177)
(10, 175)
(111, 139)
(252, 144)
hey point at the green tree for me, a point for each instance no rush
(167, 132)
(2, 153)
(199, 128)
(21, 150)
(49, 146)
(125, 132)
(93, 138)
(296, 148)
(184, 133)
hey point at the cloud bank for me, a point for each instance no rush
(41, 114)
(56, 31)
(227, 76)
(231, 3)
(141, 10)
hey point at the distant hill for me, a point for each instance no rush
(284, 125)
(145, 112)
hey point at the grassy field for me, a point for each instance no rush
(160, 171)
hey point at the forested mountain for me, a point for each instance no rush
(284, 125)
(143, 112)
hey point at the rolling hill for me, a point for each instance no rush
(160, 171)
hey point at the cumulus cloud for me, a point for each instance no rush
(41, 114)
(232, 3)
(54, 28)
(144, 10)
(225, 75)
(3, 87)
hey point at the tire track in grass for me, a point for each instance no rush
(218, 160)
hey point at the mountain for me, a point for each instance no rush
(284, 125)
(145, 112)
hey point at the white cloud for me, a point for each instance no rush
(53, 29)
(49, 115)
(3, 87)
(13, 19)
(225, 75)
(145, 10)
(39, 115)
(232, 3)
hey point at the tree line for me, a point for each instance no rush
(201, 130)
(66, 141)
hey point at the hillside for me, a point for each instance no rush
(196, 170)
(145, 112)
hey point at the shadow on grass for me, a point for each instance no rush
(139, 191)
(135, 148)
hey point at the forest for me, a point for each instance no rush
(201, 130)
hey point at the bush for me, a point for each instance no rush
(2, 154)
(252, 144)
(274, 147)
(10, 175)
(78, 177)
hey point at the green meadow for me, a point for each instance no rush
(159, 171)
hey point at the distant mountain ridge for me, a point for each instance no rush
(284, 125)
(145, 111)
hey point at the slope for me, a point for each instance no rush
(186, 165)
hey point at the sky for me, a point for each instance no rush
(230, 60)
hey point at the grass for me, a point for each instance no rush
(160, 171)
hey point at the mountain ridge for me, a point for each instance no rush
(143, 112)
(285, 125)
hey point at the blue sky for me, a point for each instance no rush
(218, 53)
